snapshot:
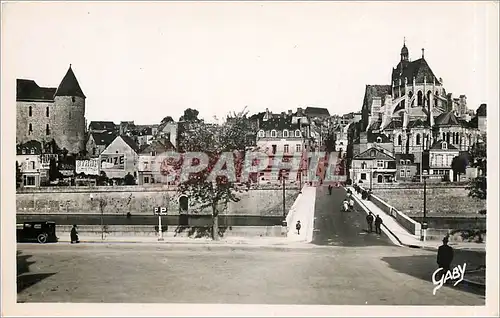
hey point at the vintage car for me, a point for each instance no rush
(41, 232)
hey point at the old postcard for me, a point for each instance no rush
(249, 158)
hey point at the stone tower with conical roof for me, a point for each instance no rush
(46, 113)
(69, 112)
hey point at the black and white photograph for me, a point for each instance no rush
(252, 158)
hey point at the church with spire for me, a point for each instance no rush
(48, 113)
(414, 113)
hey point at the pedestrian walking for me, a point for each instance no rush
(351, 203)
(330, 189)
(345, 205)
(74, 235)
(445, 256)
(369, 220)
(378, 224)
(297, 227)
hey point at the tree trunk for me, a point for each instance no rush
(215, 223)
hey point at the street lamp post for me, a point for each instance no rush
(424, 222)
(283, 180)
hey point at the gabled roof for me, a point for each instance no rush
(69, 85)
(27, 146)
(438, 145)
(102, 125)
(394, 124)
(278, 123)
(28, 90)
(103, 139)
(158, 146)
(317, 111)
(129, 141)
(418, 69)
(380, 153)
(448, 119)
(418, 123)
(481, 111)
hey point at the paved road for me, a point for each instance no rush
(337, 228)
(163, 273)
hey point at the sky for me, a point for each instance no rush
(144, 61)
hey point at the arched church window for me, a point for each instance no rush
(420, 98)
(410, 95)
(428, 101)
(47, 112)
(30, 128)
(47, 130)
(400, 140)
(448, 137)
(418, 141)
(30, 111)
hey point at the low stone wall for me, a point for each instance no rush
(441, 201)
(63, 231)
(134, 220)
(139, 200)
(418, 185)
(454, 222)
(406, 222)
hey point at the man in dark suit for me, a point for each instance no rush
(445, 256)
(369, 220)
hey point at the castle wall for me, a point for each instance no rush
(38, 120)
(66, 122)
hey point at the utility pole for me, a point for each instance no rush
(283, 181)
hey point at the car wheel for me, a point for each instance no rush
(42, 238)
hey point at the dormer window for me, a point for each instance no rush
(379, 139)
(273, 133)
(261, 133)
(444, 145)
(285, 133)
(402, 162)
(32, 151)
(408, 162)
(297, 133)
(23, 151)
(373, 153)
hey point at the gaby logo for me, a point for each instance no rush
(457, 272)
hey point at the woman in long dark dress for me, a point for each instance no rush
(74, 235)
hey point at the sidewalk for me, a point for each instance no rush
(303, 211)
(403, 236)
(229, 241)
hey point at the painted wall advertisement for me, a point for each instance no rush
(89, 167)
(113, 161)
